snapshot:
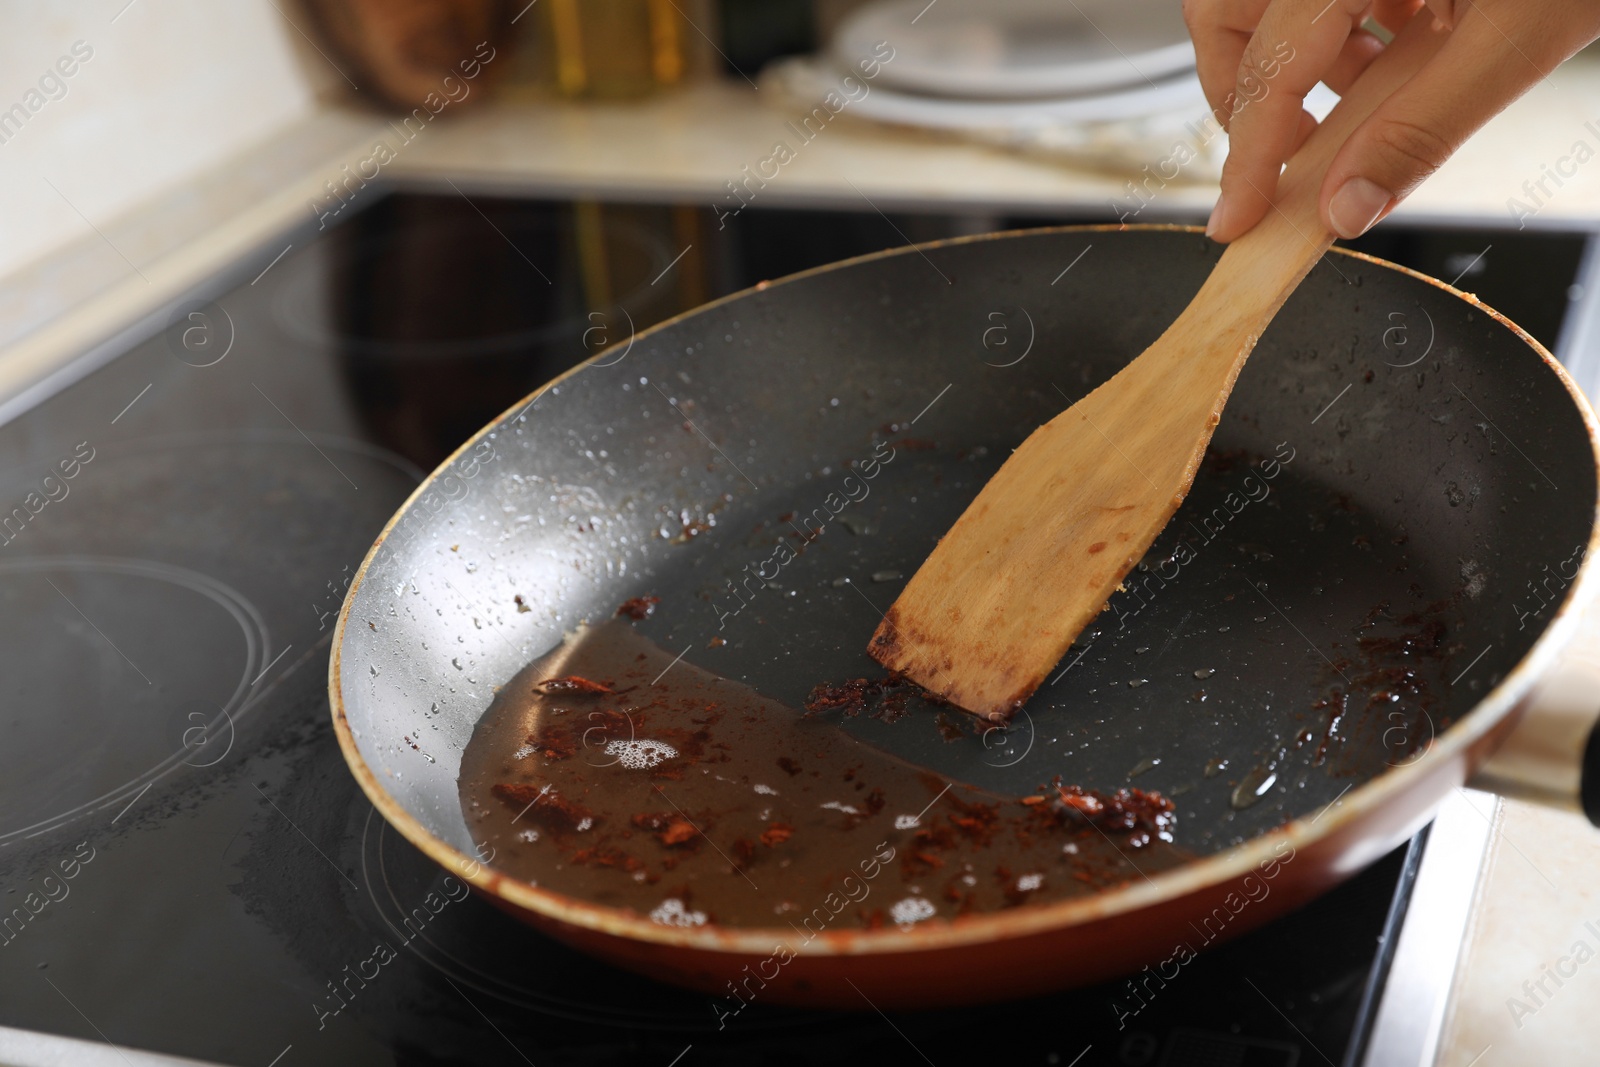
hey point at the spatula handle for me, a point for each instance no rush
(1259, 270)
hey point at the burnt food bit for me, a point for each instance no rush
(572, 683)
(639, 607)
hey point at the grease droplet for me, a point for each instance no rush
(1253, 786)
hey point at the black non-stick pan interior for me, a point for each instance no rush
(1350, 574)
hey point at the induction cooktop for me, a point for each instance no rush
(186, 866)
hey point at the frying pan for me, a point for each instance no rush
(1435, 461)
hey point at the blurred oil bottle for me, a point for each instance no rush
(611, 49)
(626, 49)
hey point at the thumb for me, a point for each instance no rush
(1474, 76)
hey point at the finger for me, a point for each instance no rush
(1307, 125)
(1444, 12)
(1393, 14)
(1356, 55)
(1220, 30)
(1478, 71)
(1297, 42)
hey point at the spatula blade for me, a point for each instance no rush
(1040, 551)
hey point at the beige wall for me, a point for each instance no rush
(172, 87)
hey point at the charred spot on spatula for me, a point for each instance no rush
(906, 650)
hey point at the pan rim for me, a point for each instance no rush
(1207, 873)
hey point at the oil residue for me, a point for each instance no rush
(1382, 702)
(1253, 786)
(611, 772)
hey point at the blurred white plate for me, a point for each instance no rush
(1017, 49)
(803, 79)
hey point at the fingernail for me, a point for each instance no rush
(1216, 218)
(1356, 206)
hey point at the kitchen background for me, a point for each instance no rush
(193, 146)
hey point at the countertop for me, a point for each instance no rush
(1536, 920)
(690, 143)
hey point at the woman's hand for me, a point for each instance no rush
(1497, 49)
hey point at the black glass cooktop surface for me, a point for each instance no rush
(185, 864)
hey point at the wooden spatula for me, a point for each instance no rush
(1038, 553)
